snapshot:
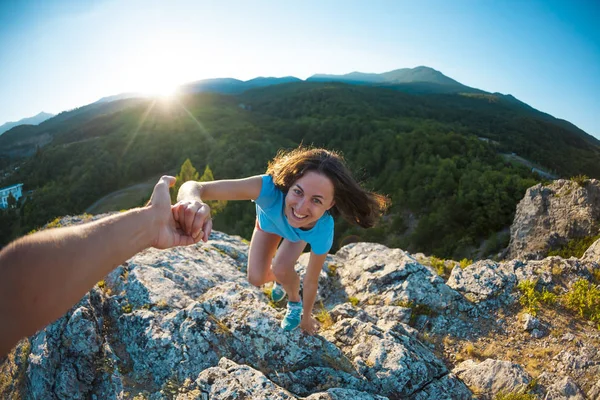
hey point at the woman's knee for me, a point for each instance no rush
(282, 270)
(257, 276)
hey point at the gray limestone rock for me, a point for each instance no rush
(377, 274)
(549, 216)
(483, 280)
(560, 387)
(491, 377)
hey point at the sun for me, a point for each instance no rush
(164, 88)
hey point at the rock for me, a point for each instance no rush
(592, 254)
(483, 280)
(229, 380)
(530, 322)
(376, 274)
(395, 366)
(594, 392)
(549, 216)
(560, 387)
(493, 376)
(537, 334)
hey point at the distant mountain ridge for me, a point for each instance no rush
(420, 80)
(35, 120)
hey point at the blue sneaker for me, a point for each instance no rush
(277, 292)
(293, 316)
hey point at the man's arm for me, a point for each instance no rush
(44, 274)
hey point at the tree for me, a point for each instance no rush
(187, 173)
(215, 206)
(12, 202)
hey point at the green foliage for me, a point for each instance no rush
(531, 299)
(354, 301)
(581, 180)
(11, 201)
(575, 247)
(216, 206)
(438, 265)
(584, 298)
(495, 243)
(186, 173)
(423, 151)
(464, 263)
(515, 396)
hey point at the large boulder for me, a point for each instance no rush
(549, 216)
(184, 323)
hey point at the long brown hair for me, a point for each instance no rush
(355, 204)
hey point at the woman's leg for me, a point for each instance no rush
(283, 267)
(262, 249)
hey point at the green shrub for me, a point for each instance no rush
(581, 180)
(529, 297)
(584, 298)
(532, 299)
(354, 301)
(575, 247)
(438, 265)
(515, 396)
(464, 263)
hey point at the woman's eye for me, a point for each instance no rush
(297, 191)
(317, 201)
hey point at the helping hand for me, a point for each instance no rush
(169, 232)
(194, 218)
(309, 325)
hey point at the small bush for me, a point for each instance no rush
(584, 298)
(575, 247)
(515, 396)
(324, 318)
(581, 180)
(438, 265)
(531, 299)
(464, 263)
(127, 308)
(354, 301)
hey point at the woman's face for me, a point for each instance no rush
(308, 199)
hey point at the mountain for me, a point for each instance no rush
(440, 156)
(412, 80)
(35, 120)
(232, 86)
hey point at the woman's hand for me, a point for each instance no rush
(167, 231)
(309, 325)
(193, 217)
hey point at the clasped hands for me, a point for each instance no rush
(184, 223)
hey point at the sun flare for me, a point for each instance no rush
(161, 88)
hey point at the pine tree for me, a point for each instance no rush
(215, 206)
(187, 173)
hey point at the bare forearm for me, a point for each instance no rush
(309, 295)
(44, 274)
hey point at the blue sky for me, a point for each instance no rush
(58, 55)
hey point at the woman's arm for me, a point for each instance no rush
(309, 291)
(194, 216)
(44, 274)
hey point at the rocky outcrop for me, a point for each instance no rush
(491, 377)
(184, 323)
(549, 216)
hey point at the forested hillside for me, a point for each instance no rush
(438, 156)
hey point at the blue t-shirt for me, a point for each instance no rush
(269, 211)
